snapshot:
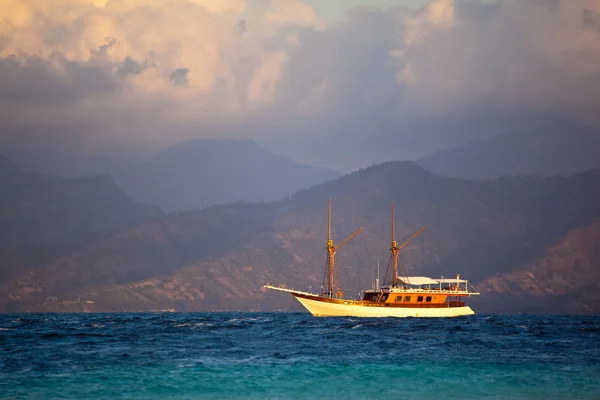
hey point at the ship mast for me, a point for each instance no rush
(329, 280)
(395, 249)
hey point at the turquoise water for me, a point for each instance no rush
(296, 356)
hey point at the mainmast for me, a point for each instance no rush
(329, 280)
(395, 249)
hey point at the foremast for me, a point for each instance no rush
(331, 287)
(395, 249)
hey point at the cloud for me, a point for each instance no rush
(179, 77)
(56, 80)
(265, 77)
(129, 67)
(530, 55)
(382, 84)
(293, 12)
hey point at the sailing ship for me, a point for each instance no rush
(400, 296)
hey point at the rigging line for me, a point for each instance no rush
(367, 240)
(423, 253)
(405, 238)
(346, 273)
(325, 278)
(300, 263)
(389, 271)
(340, 238)
(426, 253)
(402, 267)
(473, 286)
(373, 269)
(436, 264)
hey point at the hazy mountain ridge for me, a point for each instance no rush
(219, 257)
(9, 172)
(152, 248)
(38, 208)
(42, 217)
(556, 148)
(204, 172)
(565, 278)
(68, 163)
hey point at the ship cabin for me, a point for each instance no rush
(420, 291)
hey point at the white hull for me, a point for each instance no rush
(320, 308)
(325, 309)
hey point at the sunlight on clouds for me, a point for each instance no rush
(436, 15)
(222, 6)
(440, 12)
(142, 63)
(534, 54)
(14, 13)
(295, 12)
(265, 78)
(160, 36)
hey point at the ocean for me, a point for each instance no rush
(297, 356)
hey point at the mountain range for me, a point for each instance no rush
(217, 258)
(566, 276)
(42, 217)
(555, 148)
(193, 174)
(204, 172)
(527, 236)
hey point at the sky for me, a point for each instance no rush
(341, 84)
(334, 11)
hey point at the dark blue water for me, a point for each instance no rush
(290, 356)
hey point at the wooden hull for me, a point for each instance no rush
(324, 307)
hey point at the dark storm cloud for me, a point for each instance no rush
(401, 83)
(350, 63)
(179, 77)
(52, 81)
(104, 49)
(383, 84)
(129, 67)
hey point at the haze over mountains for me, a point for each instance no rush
(558, 147)
(39, 208)
(90, 91)
(566, 275)
(70, 244)
(194, 173)
(42, 217)
(218, 257)
(203, 172)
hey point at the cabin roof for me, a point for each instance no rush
(423, 280)
(445, 280)
(418, 280)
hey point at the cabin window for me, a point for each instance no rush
(384, 298)
(420, 298)
(407, 299)
(371, 296)
(398, 299)
(428, 299)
